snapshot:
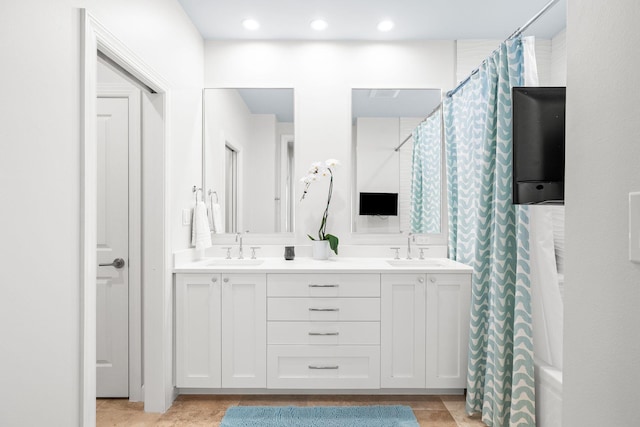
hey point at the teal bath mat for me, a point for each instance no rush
(319, 416)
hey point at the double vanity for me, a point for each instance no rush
(345, 324)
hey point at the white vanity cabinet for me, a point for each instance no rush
(448, 306)
(323, 331)
(275, 328)
(198, 330)
(403, 330)
(244, 331)
(221, 330)
(425, 328)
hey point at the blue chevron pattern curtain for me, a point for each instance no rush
(490, 234)
(425, 179)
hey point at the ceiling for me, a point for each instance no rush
(357, 19)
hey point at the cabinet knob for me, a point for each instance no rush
(214, 279)
(432, 280)
(420, 280)
(225, 280)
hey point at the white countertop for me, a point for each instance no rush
(310, 265)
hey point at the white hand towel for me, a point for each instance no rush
(200, 232)
(216, 214)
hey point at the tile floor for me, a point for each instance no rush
(208, 410)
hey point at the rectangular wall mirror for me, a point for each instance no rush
(248, 159)
(383, 122)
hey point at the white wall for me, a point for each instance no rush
(40, 183)
(323, 74)
(602, 289)
(558, 74)
(39, 218)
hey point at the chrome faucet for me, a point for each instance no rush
(239, 239)
(409, 237)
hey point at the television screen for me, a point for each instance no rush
(538, 145)
(385, 204)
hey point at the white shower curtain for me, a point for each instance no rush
(545, 293)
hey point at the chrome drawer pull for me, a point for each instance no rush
(311, 285)
(323, 309)
(323, 367)
(323, 334)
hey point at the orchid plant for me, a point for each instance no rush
(319, 169)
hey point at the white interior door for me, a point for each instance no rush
(112, 311)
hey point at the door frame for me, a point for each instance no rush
(155, 266)
(134, 185)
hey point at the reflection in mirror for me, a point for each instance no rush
(384, 121)
(248, 159)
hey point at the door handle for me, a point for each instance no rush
(117, 263)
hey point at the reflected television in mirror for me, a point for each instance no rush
(383, 204)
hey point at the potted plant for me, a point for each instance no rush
(324, 241)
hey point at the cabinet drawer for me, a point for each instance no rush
(324, 333)
(327, 309)
(331, 367)
(323, 285)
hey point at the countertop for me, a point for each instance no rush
(310, 265)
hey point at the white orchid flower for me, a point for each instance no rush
(309, 178)
(315, 167)
(322, 169)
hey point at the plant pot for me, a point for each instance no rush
(320, 249)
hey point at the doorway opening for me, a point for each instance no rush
(119, 294)
(151, 244)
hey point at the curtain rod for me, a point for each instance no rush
(435, 110)
(513, 35)
(516, 33)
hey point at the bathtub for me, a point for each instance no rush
(548, 395)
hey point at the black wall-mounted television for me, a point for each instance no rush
(384, 204)
(538, 145)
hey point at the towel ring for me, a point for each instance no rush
(211, 193)
(195, 190)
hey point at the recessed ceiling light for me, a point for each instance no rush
(250, 24)
(319, 24)
(385, 25)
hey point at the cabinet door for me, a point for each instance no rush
(244, 330)
(198, 330)
(402, 331)
(448, 299)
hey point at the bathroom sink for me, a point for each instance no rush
(416, 263)
(234, 262)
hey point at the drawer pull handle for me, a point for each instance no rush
(313, 285)
(324, 367)
(324, 334)
(323, 309)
